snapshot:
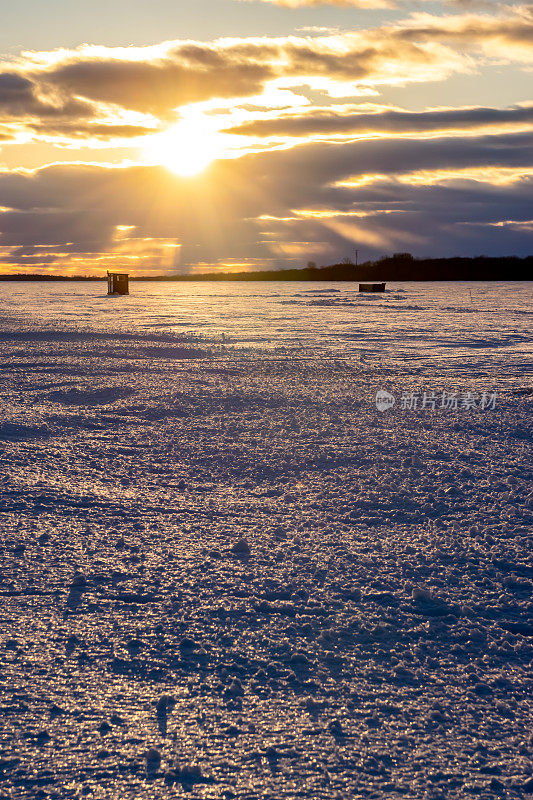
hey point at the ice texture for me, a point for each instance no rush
(226, 573)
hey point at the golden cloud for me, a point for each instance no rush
(106, 94)
(265, 205)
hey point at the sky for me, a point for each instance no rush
(170, 137)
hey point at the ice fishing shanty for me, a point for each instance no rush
(118, 283)
(371, 287)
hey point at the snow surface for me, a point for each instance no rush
(226, 573)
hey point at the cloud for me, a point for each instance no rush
(21, 97)
(347, 121)
(159, 79)
(7, 135)
(262, 209)
(105, 132)
(43, 91)
(436, 181)
(35, 108)
(312, 170)
(507, 36)
(159, 86)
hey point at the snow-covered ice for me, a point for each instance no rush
(226, 573)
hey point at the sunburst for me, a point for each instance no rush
(187, 148)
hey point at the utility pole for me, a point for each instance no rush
(356, 256)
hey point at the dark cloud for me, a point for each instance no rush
(20, 97)
(184, 72)
(161, 78)
(161, 85)
(217, 217)
(75, 129)
(83, 232)
(260, 207)
(36, 108)
(307, 173)
(327, 121)
(14, 90)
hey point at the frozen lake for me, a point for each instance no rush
(227, 571)
(458, 327)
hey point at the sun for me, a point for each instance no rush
(186, 148)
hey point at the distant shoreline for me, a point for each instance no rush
(401, 267)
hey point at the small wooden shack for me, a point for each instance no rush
(371, 287)
(117, 283)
